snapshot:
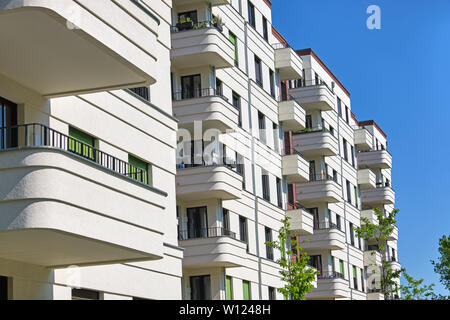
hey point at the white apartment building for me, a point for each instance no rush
(178, 183)
(87, 167)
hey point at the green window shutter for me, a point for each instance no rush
(229, 288)
(341, 267)
(81, 143)
(246, 287)
(139, 170)
(233, 40)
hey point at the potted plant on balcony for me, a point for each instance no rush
(185, 23)
(218, 23)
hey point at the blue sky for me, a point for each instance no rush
(398, 76)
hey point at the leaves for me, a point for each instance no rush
(414, 291)
(442, 267)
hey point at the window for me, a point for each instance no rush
(356, 196)
(272, 293)
(8, 118)
(229, 287)
(269, 250)
(355, 278)
(279, 193)
(251, 14)
(197, 223)
(265, 32)
(258, 71)
(219, 87)
(265, 186)
(341, 268)
(352, 150)
(190, 87)
(276, 143)
(352, 234)
(290, 193)
(339, 105)
(233, 40)
(237, 106)
(345, 149)
(272, 83)
(243, 235)
(83, 294)
(200, 287)
(3, 288)
(139, 170)
(362, 280)
(247, 294)
(349, 195)
(143, 92)
(347, 118)
(187, 17)
(240, 168)
(81, 143)
(262, 127)
(338, 222)
(316, 262)
(335, 176)
(226, 220)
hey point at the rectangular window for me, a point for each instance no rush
(200, 287)
(316, 262)
(265, 32)
(347, 117)
(243, 233)
(356, 196)
(272, 293)
(349, 194)
(345, 149)
(190, 87)
(262, 127)
(269, 250)
(237, 106)
(352, 150)
(279, 193)
(226, 220)
(143, 92)
(188, 17)
(352, 234)
(258, 72)
(247, 294)
(240, 168)
(362, 280)
(229, 286)
(276, 143)
(251, 14)
(81, 143)
(338, 222)
(233, 40)
(355, 278)
(341, 268)
(219, 87)
(265, 186)
(339, 105)
(139, 170)
(3, 288)
(83, 294)
(272, 83)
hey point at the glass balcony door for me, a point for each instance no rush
(8, 119)
(197, 222)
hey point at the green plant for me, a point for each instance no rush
(442, 266)
(414, 291)
(295, 272)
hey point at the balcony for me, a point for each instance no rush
(189, 2)
(68, 47)
(363, 139)
(288, 63)
(375, 294)
(377, 197)
(370, 214)
(330, 285)
(314, 96)
(208, 182)
(394, 234)
(316, 142)
(295, 168)
(206, 105)
(211, 248)
(376, 159)
(320, 189)
(65, 203)
(301, 220)
(326, 236)
(292, 115)
(393, 263)
(367, 179)
(372, 258)
(200, 44)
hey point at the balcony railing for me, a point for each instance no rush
(315, 129)
(191, 25)
(323, 177)
(297, 206)
(293, 152)
(38, 135)
(143, 92)
(330, 275)
(198, 93)
(203, 233)
(325, 226)
(302, 83)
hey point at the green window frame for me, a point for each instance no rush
(233, 39)
(246, 290)
(341, 267)
(139, 170)
(81, 143)
(229, 287)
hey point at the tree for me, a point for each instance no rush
(442, 267)
(414, 291)
(379, 233)
(295, 272)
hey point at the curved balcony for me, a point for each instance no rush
(295, 168)
(330, 285)
(288, 63)
(326, 236)
(315, 142)
(367, 179)
(301, 220)
(211, 248)
(208, 182)
(363, 139)
(314, 96)
(372, 258)
(320, 189)
(292, 115)
(207, 106)
(80, 46)
(63, 203)
(201, 44)
(381, 195)
(377, 159)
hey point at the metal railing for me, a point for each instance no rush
(330, 275)
(202, 233)
(297, 206)
(303, 83)
(323, 177)
(39, 135)
(143, 92)
(326, 225)
(198, 93)
(293, 152)
(314, 130)
(191, 25)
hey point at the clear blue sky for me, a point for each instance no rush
(398, 76)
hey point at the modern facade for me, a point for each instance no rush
(163, 149)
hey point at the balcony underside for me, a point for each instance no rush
(313, 98)
(301, 222)
(316, 192)
(378, 196)
(314, 144)
(324, 239)
(328, 289)
(48, 55)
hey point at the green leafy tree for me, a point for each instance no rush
(295, 272)
(442, 266)
(379, 233)
(414, 290)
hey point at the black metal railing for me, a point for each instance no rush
(192, 25)
(39, 135)
(198, 93)
(323, 177)
(326, 225)
(297, 206)
(277, 46)
(330, 275)
(293, 152)
(303, 83)
(202, 233)
(143, 92)
(314, 130)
